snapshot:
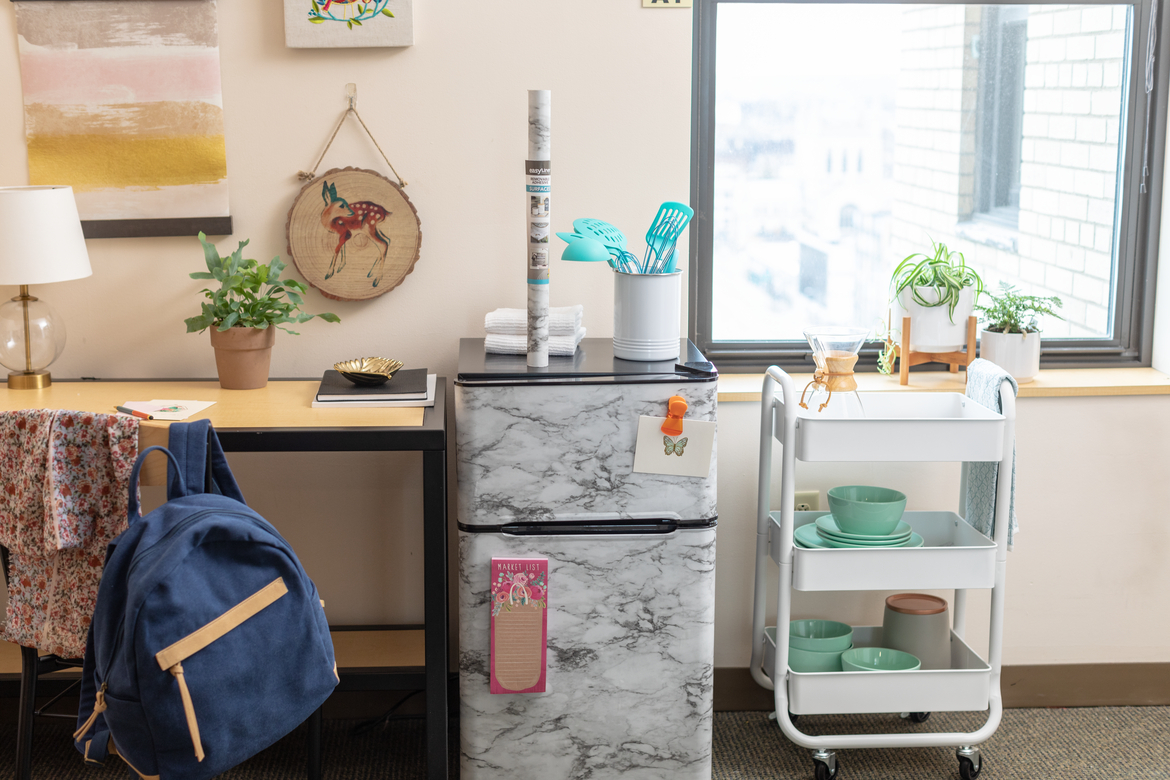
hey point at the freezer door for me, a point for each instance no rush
(630, 660)
(531, 453)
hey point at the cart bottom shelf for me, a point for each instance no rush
(966, 686)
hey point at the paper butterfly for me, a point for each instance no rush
(675, 447)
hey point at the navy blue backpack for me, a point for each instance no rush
(208, 642)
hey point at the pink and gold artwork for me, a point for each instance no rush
(123, 102)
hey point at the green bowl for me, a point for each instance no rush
(811, 661)
(866, 510)
(877, 659)
(820, 636)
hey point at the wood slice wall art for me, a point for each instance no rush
(353, 234)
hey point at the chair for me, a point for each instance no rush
(33, 666)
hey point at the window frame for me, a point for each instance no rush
(1140, 213)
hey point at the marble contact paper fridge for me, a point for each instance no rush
(544, 465)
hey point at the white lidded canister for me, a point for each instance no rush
(646, 315)
(919, 624)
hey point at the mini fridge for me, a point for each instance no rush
(545, 461)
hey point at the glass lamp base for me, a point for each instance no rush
(29, 380)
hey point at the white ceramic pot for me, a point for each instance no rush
(932, 328)
(646, 312)
(1016, 353)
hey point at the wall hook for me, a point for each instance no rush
(351, 95)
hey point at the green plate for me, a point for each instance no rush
(914, 541)
(806, 536)
(829, 525)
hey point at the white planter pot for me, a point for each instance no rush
(932, 328)
(1016, 353)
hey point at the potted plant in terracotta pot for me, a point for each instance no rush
(244, 312)
(938, 292)
(1011, 339)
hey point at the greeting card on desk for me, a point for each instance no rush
(685, 455)
(519, 603)
(405, 385)
(162, 409)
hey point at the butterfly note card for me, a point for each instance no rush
(685, 455)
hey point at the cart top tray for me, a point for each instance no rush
(898, 427)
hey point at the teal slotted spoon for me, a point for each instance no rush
(669, 223)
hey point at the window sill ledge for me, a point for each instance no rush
(1051, 383)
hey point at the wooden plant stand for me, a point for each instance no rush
(907, 358)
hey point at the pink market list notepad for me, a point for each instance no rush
(519, 605)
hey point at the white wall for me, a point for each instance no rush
(450, 112)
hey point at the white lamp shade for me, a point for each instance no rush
(40, 236)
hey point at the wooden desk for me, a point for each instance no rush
(280, 418)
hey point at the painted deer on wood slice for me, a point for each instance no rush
(350, 219)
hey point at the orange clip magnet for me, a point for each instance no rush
(676, 407)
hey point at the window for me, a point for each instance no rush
(833, 139)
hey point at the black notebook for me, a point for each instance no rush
(405, 385)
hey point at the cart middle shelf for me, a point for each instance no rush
(953, 555)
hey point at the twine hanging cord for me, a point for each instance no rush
(310, 175)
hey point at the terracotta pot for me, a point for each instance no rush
(242, 357)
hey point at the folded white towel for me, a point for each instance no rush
(562, 321)
(518, 345)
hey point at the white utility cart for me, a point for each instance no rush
(899, 426)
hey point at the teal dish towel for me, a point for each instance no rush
(983, 382)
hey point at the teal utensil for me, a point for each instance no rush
(586, 250)
(569, 237)
(600, 230)
(669, 223)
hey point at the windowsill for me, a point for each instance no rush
(1051, 383)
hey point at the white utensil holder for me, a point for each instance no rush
(646, 315)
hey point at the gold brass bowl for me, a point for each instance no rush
(368, 371)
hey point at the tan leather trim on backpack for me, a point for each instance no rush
(110, 746)
(200, 638)
(171, 658)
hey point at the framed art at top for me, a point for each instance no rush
(319, 24)
(122, 101)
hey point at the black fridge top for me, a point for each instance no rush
(593, 363)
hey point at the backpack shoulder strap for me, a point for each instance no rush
(201, 461)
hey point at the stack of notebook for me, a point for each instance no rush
(408, 387)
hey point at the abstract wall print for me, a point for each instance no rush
(320, 24)
(123, 102)
(353, 234)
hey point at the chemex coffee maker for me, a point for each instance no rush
(835, 354)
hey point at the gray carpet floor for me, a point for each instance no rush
(1106, 743)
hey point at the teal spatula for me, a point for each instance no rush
(669, 223)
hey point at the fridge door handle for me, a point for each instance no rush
(662, 527)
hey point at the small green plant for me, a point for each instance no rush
(250, 295)
(1011, 312)
(940, 271)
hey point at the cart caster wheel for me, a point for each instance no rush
(969, 768)
(919, 717)
(825, 765)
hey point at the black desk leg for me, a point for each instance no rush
(24, 718)
(314, 725)
(435, 577)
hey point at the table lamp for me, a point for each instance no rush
(40, 242)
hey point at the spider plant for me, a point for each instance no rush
(944, 271)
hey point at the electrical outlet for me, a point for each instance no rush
(808, 500)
